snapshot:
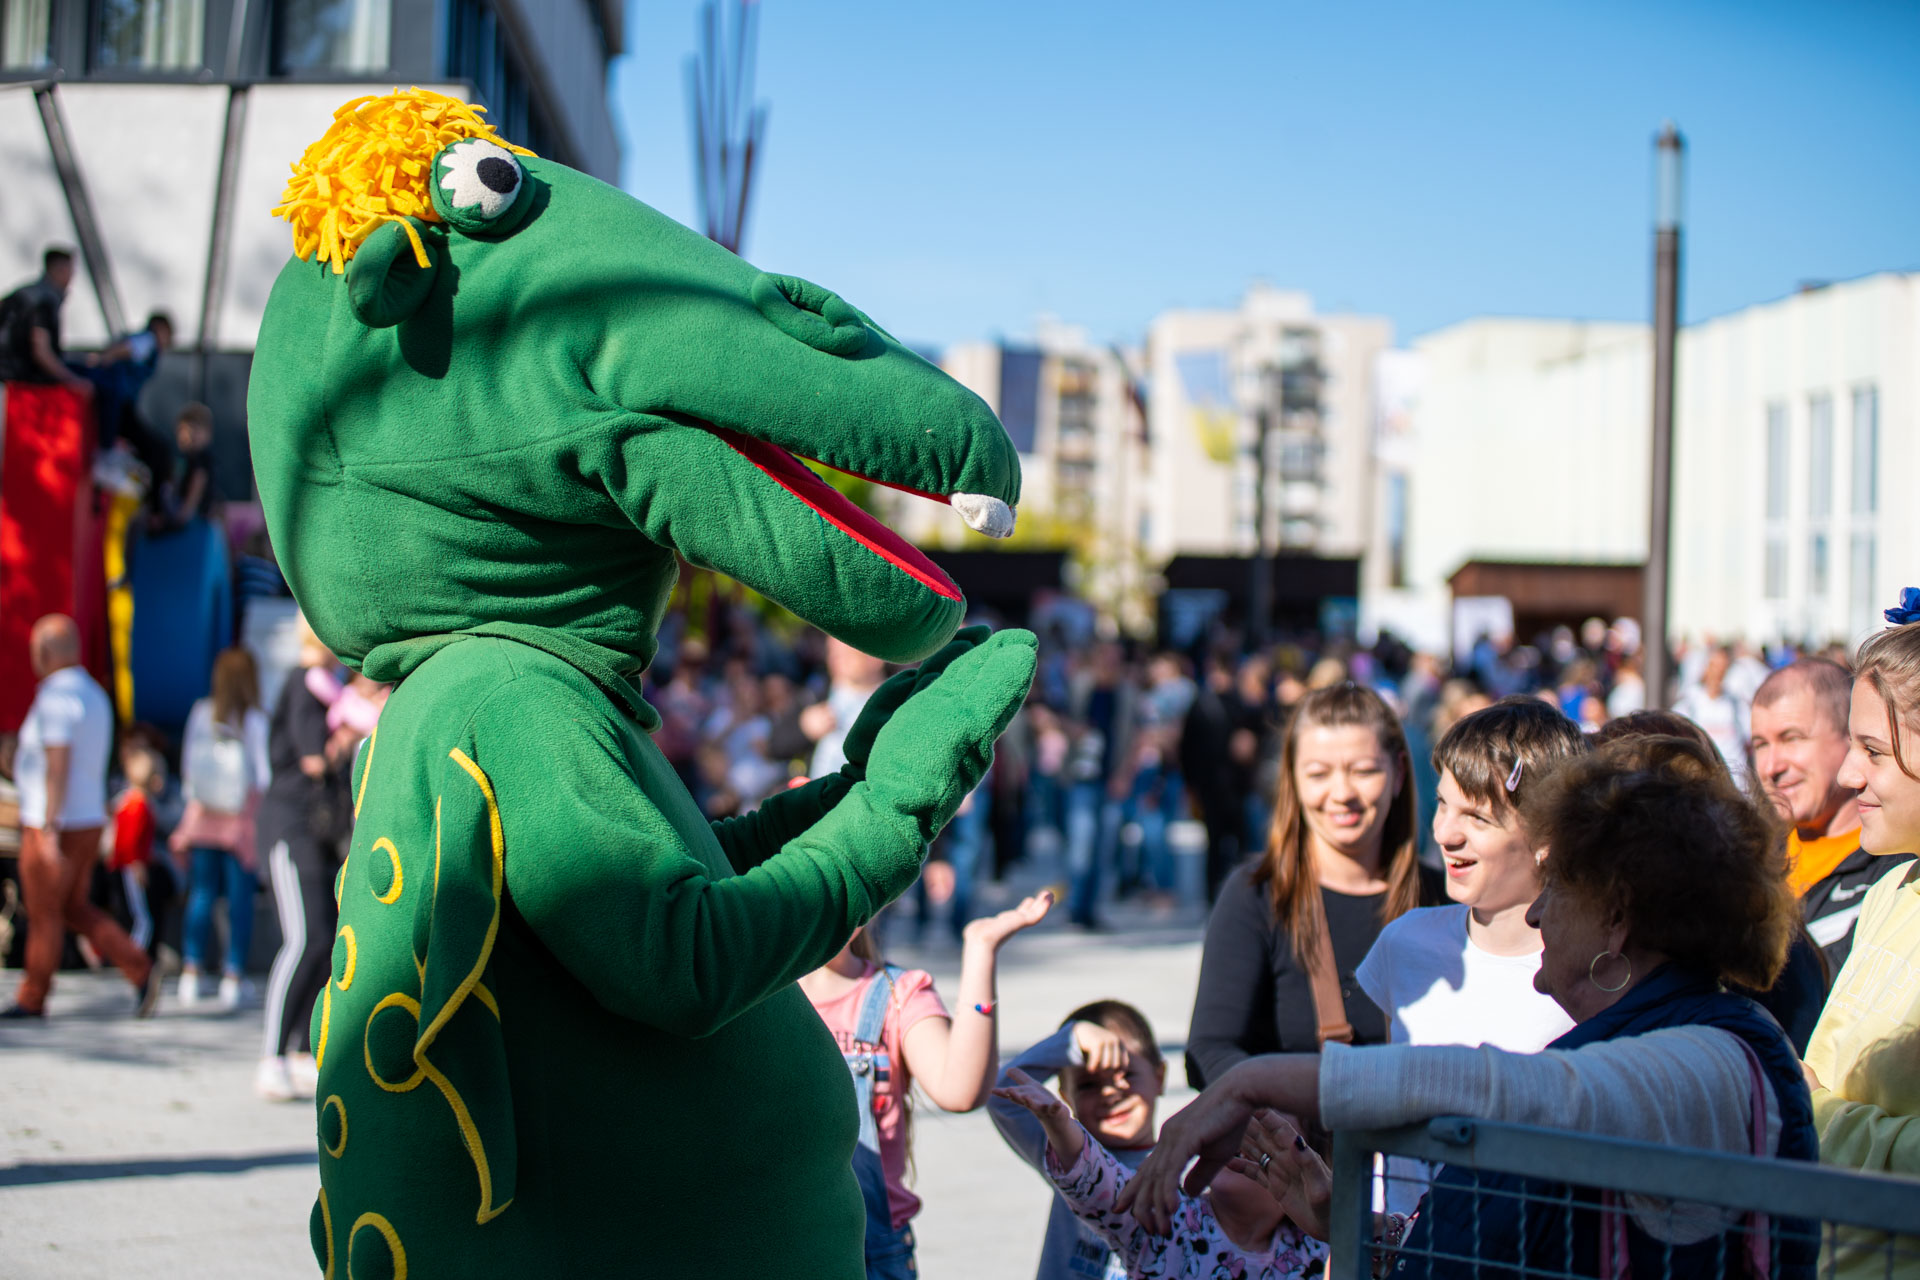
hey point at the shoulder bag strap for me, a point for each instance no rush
(1323, 976)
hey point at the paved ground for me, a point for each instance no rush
(139, 1149)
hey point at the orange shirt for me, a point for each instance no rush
(1811, 861)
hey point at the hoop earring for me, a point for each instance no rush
(1595, 964)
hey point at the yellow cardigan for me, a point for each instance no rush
(1866, 1051)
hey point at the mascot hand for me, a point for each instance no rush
(888, 698)
(928, 740)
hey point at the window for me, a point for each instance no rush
(1866, 450)
(331, 36)
(1862, 596)
(1819, 456)
(1776, 567)
(1862, 601)
(1300, 460)
(1776, 461)
(477, 51)
(149, 35)
(23, 33)
(1020, 369)
(1817, 566)
(1397, 529)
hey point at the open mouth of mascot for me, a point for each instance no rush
(986, 515)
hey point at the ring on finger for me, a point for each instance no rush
(1266, 1158)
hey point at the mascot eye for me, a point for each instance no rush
(478, 184)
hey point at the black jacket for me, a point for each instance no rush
(313, 815)
(1255, 997)
(1832, 906)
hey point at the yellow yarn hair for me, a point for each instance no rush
(373, 165)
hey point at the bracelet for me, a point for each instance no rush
(987, 1009)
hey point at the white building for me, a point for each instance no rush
(1069, 407)
(1795, 430)
(155, 135)
(1214, 374)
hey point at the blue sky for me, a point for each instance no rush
(956, 169)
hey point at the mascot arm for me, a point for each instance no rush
(609, 862)
(752, 838)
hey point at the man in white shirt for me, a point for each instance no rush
(60, 766)
(852, 677)
(1715, 707)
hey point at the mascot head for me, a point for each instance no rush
(489, 388)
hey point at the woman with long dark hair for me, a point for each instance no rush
(1293, 923)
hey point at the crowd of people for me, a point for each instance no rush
(129, 853)
(1518, 887)
(1609, 945)
(1528, 897)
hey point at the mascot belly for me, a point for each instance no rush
(493, 401)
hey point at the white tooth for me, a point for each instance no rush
(983, 514)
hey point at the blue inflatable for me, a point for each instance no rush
(182, 619)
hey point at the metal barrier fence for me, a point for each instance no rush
(1779, 1216)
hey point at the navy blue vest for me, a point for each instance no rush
(1468, 1217)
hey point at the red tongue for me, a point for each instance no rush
(832, 506)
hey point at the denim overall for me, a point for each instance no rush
(889, 1252)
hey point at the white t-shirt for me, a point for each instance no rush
(69, 710)
(1437, 987)
(847, 703)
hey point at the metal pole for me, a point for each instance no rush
(1350, 1251)
(1260, 602)
(1670, 151)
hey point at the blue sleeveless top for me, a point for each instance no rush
(1477, 1221)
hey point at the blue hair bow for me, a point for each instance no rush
(1908, 610)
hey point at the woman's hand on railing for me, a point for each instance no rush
(1273, 1154)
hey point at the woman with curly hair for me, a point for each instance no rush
(1862, 1062)
(1637, 946)
(1797, 995)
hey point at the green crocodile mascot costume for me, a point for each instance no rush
(493, 400)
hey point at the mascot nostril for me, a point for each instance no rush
(566, 986)
(818, 317)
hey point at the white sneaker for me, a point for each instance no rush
(272, 1081)
(304, 1074)
(233, 991)
(189, 989)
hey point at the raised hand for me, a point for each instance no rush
(1102, 1052)
(1273, 1154)
(993, 930)
(1065, 1137)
